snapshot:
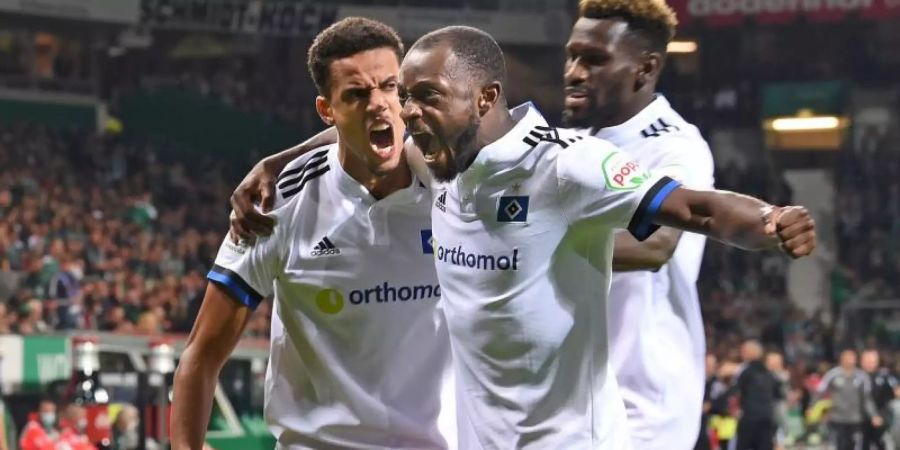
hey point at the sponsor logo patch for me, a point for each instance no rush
(623, 173)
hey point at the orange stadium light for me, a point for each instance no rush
(806, 123)
(682, 47)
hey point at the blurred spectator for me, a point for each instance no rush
(73, 428)
(40, 433)
(851, 401)
(883, 384)
(758, 390)
(125, 428)
(775, 364)
(895, 415)
(6, 434)
(712, 391)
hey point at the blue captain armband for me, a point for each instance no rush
(641, 225)
(236, 287)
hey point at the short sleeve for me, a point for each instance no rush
(601, 184)
(246, 271)
(688, 161)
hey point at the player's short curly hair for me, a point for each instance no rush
(481, 57)
(346, 38)
(653, 20)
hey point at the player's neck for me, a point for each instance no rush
(378, 185)
(494, 125)
(640, 102)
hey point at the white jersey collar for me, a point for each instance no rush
(351, 188)
(632, 128)
(512, 145)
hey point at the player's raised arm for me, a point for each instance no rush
(739, 220)
(219, 326)
(258, 186)
(599, 184)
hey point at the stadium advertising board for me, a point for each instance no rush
(735, 12)
(508, 27)
(118, 11)
(279, 18)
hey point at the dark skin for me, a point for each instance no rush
(608, 78)
(444, 104)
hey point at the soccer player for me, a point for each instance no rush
(523, 222)
(358, 351)
(614, 58)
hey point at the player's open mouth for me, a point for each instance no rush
(381, 137)
(423, 141)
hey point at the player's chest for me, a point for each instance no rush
(352, 272)
(495, 230)
(381, 243)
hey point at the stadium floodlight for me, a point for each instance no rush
(682, 47)
(806, 123)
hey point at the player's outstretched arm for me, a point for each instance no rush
(258, 186)
(219, 326)
(651, 254)
(740, 220)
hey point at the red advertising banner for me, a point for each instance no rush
(735, 12)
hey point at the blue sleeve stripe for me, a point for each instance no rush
(642, 226)
(235, 285)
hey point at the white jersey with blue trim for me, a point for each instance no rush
(656, 329)
(523, 244)
(359, 349)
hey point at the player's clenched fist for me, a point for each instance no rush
(795, 228)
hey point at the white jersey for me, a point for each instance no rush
(523, 244)
(656, 329)
(358, 347)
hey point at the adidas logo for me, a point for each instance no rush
(441, 202)
(325, 248)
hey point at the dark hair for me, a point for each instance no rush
(346, 38)
(477, 50)
(652, 21)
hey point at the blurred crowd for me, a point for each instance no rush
(757, 400)
(56, 426)
(102, 234)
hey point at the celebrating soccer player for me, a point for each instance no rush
(614, 58)
(358, 353)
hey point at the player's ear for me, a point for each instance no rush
(489, 97)
(323, 107)
(648, 69)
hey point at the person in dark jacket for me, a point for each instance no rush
(883, 384)
(759, 391)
